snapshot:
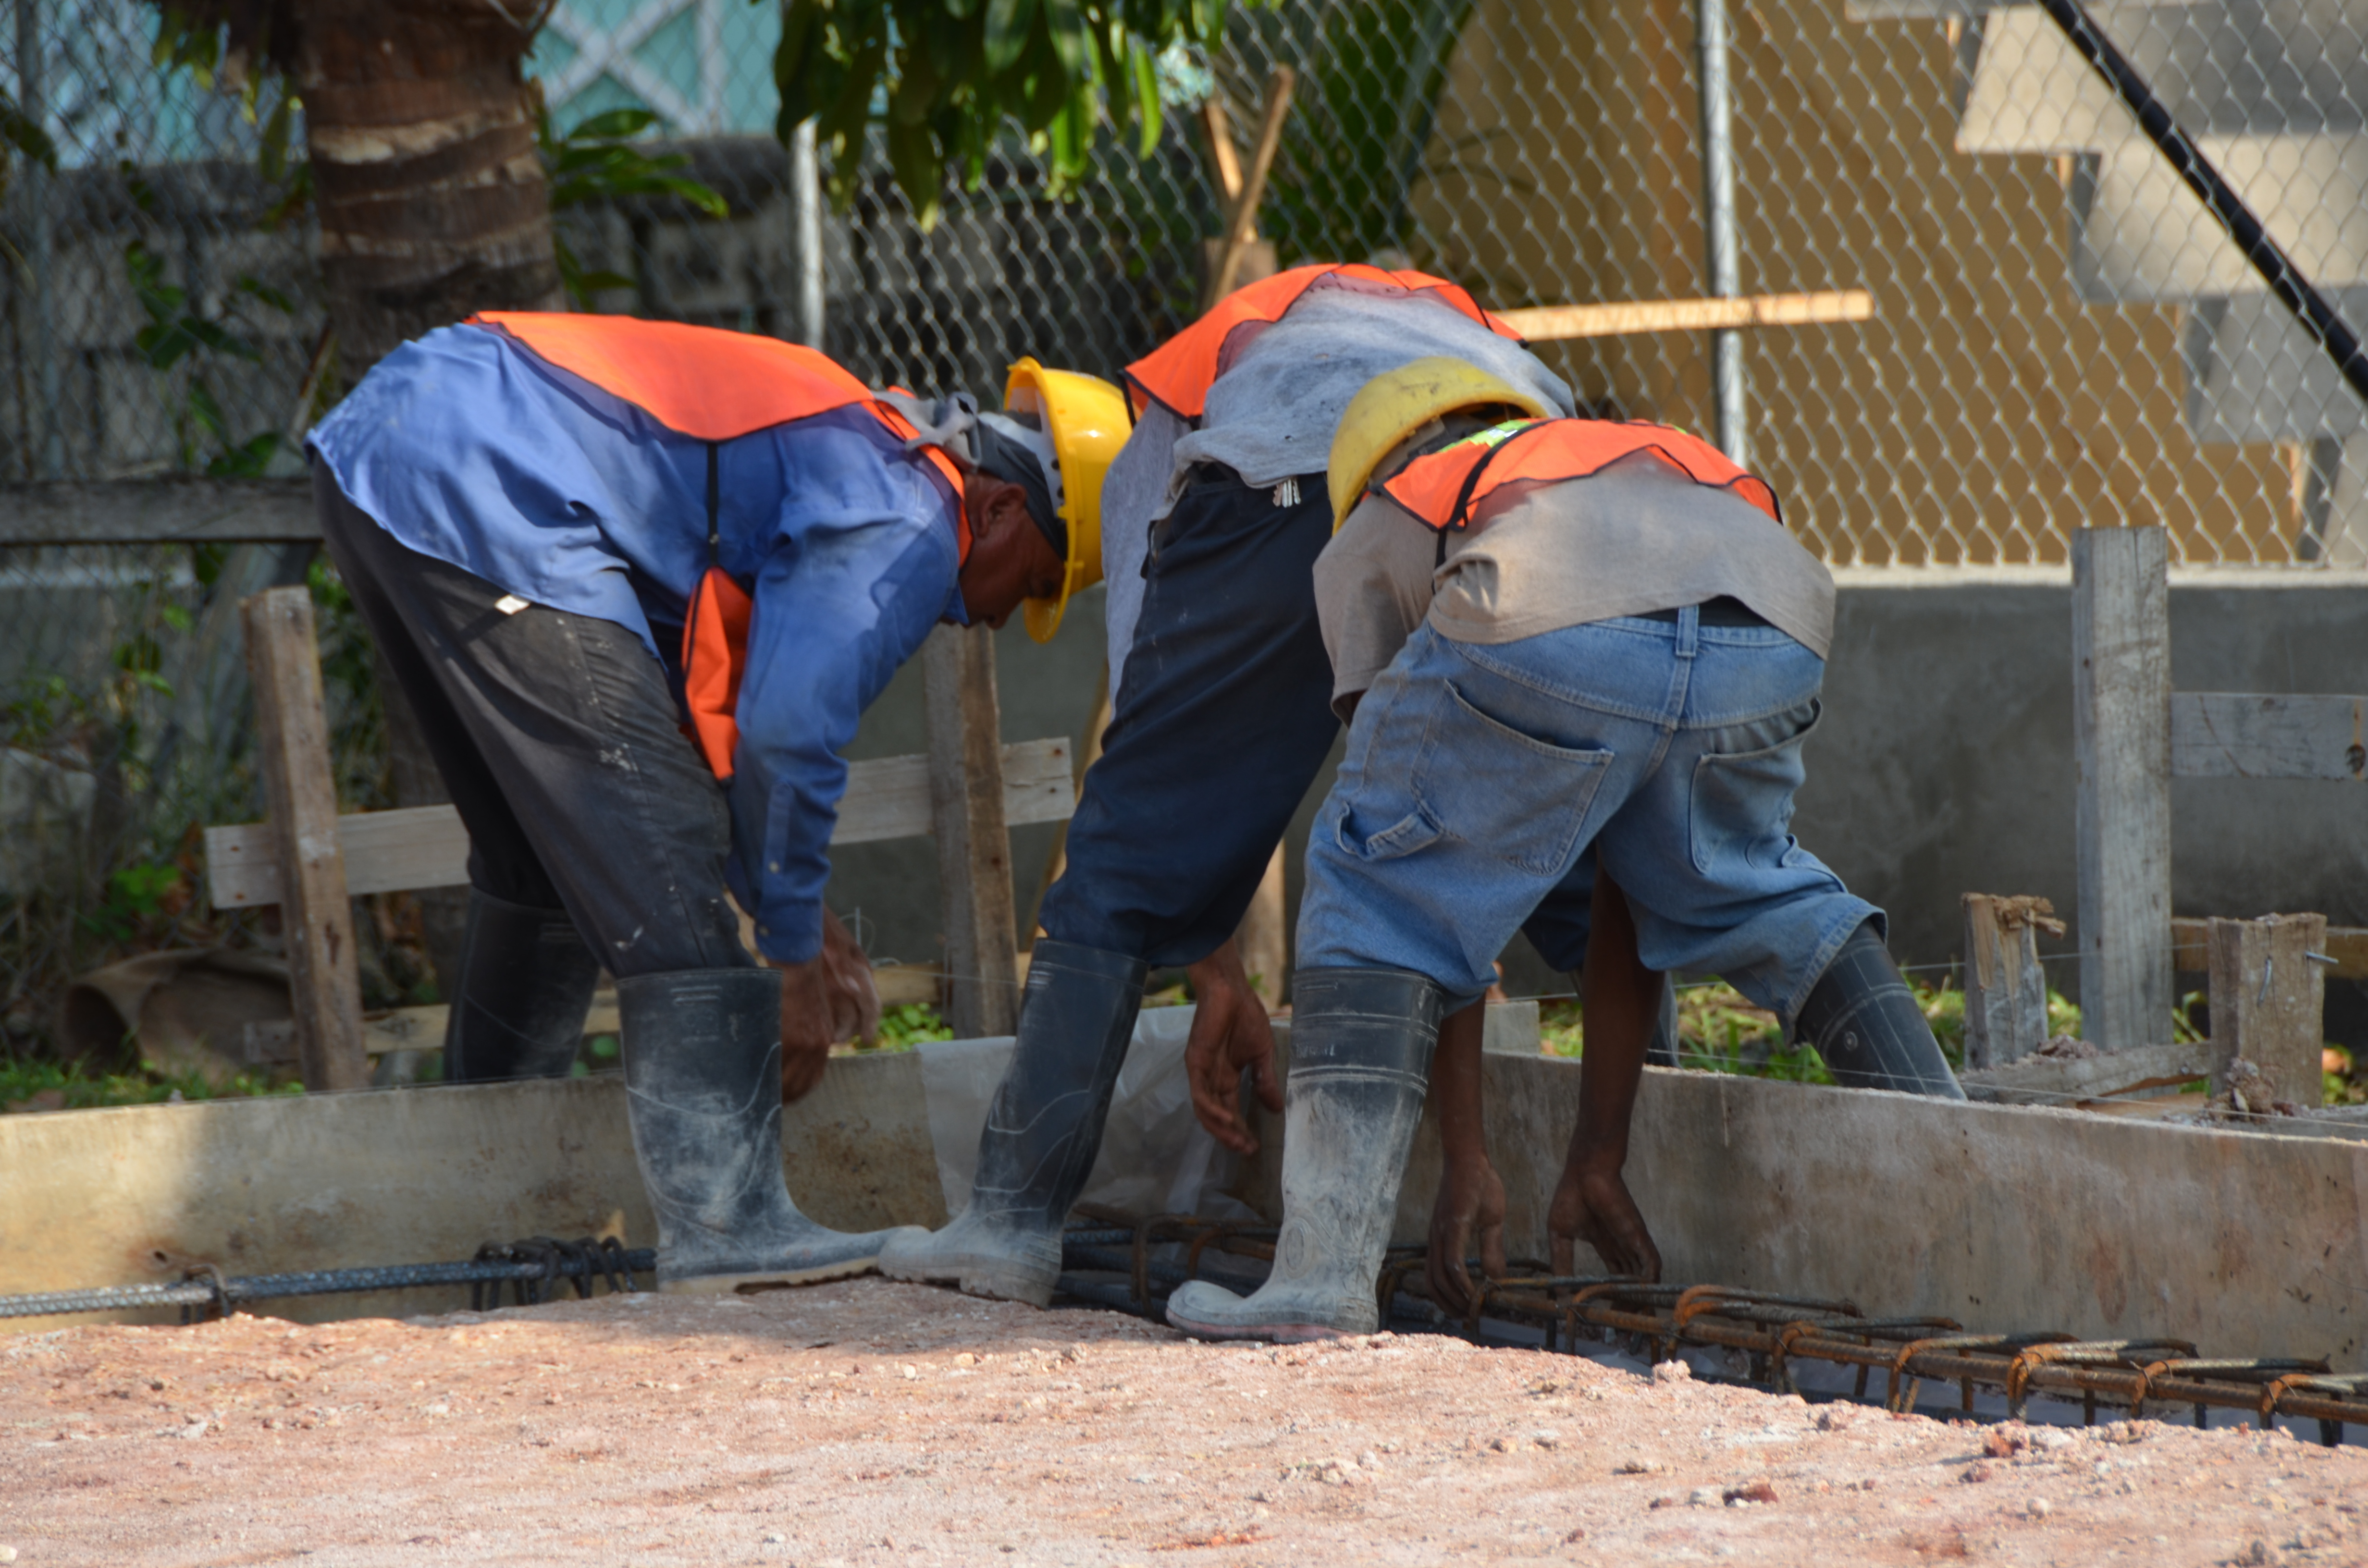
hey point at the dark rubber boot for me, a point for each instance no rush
(703, 1092)
(1864, 1022)
(1042, 1132)
(525, 986)
(1360, 1047)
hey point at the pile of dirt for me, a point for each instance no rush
(866, 1423)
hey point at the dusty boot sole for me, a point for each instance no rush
(766, 1279)
(998, 1276)
(1286, 1332)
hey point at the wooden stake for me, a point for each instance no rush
(1241, 226)
(2006, 989)
(2268, 1000)
(974, 844)
(2121, 738)
(315, 914)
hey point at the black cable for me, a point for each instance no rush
(576, 1264)
(2268, 258)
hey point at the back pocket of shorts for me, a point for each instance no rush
(1740, 812)
(1506, 793)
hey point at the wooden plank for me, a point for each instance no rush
(2006, 989)
(159, 511)
(426, 847)
(2268, 1001)
(2227, 734)
(2346, 948)
(1241, 220)
(316, 915)
(1264, 938)
(2051, 1080)
(2121, 737)
(1630, 317)
(973, 845)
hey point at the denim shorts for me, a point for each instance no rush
(1478, 774)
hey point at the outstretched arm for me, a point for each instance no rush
(1622, 1000)
(1470, 1207)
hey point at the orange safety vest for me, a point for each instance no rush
(1443, 487)
(1179, 372)
(713, 386)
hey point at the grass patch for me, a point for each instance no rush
(37, 1084)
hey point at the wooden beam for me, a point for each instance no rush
(2051, 1080)
(973, 845)
(2268, 1002)
(1241, 223)
(2121, 738)
(426, 847)
(316, 915)
(159, 511)
(2346, 950)
(2006, 989)
(2227, 734)
(1264, 938)
(1627, 318)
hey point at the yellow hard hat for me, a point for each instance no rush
(1397, 403)
(1087, 419)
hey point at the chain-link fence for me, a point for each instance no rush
(2062, 337)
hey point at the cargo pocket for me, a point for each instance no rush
(1740, 812)
(1503, 792)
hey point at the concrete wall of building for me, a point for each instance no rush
(1943, 764)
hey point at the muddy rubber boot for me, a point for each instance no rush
(1360, 1047)
(1865, 1024)
(1042, 1131)
(525, 986)
(703, 1092)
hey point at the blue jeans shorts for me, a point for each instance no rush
(1477, 775)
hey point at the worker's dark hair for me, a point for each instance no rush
(1007, 457)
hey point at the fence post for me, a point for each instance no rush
(1723, 250)
(315, 915)
(2268, 1000)
(805, 218)
(973, 845)
(2006, 990)
(2121, 738)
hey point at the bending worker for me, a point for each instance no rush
(1552, 633)
(1213, 515)
(639, 581)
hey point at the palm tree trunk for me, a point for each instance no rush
(432, 199)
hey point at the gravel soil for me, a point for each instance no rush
(871, 1424)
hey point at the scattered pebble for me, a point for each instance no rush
(1745, 1496)
(1673, 1372)
(2040, 1508)
(1547, 1438)
(1704, 1497)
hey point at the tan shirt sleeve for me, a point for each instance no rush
(1372, 588)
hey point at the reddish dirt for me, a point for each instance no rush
(869, 1424)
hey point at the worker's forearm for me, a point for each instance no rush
(1456, 1086)
(1622, 1002)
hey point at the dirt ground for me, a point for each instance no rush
(869, 1424)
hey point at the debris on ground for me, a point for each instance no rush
(868, 1422)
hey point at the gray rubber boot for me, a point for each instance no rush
(1864, 1023)
(1042, 1132)
(703, 1092)
(1661, 1051)
(525, 986)
(1360, 1047)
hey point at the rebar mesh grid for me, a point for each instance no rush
(2062, 337)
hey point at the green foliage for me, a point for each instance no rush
(944, 77)
(903, 1028)
(598, 161)
(135, 897)
(41, 1083)
(175, 333)
(21, 137)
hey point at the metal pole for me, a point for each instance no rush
(1724, 258)
(32, 92)
(805, 218)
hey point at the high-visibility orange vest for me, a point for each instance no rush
(1179, 372)
(1443, 488)
(713, 386)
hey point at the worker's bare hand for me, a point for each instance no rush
(1592, 1205)
(826, 999)
(1470, 1207)
(1229, 1032)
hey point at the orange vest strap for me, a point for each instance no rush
(1443, 487)
(714, 651)
(1179, 372)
